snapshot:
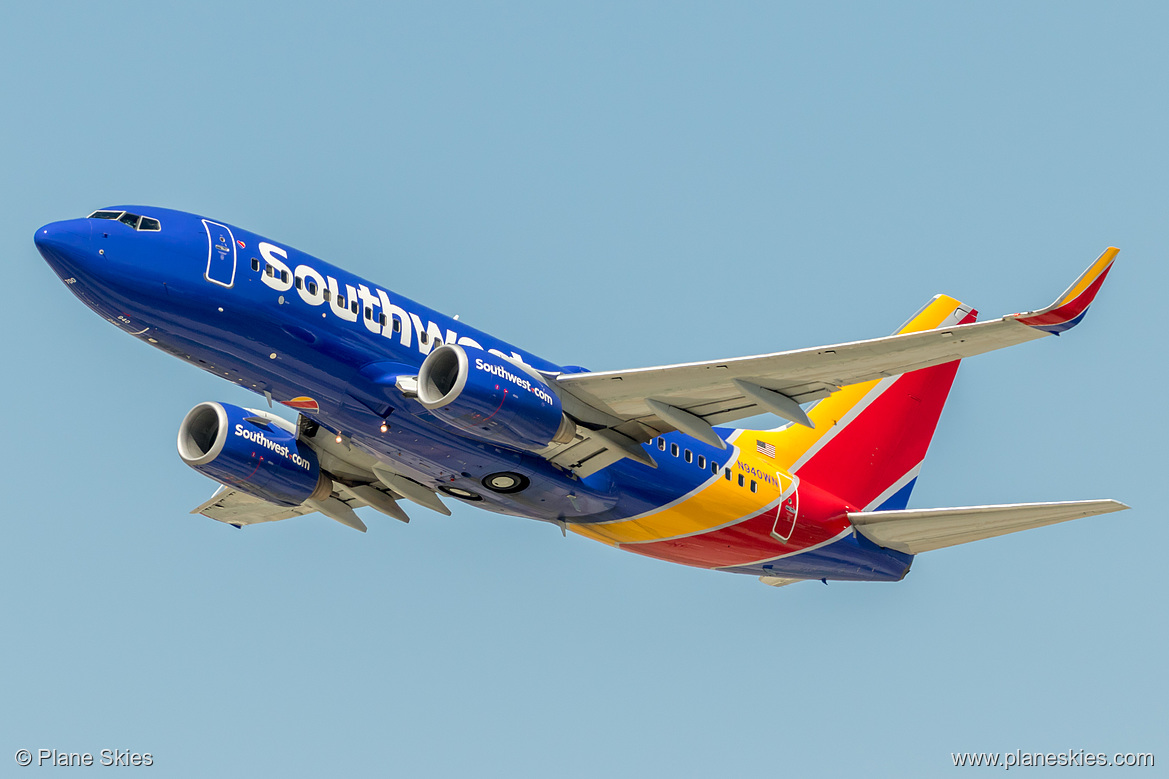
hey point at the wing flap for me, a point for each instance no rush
(914, 531)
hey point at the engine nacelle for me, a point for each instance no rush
(492, 398)
(248, 451)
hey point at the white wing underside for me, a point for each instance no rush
(239, 508)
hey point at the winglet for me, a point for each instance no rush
(1067, 311)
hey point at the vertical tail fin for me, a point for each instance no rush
(870, 438)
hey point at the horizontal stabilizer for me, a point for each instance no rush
(923, 530)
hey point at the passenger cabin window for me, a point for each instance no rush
(713, 467)
(284, 276)
(353, 306)
(689, 456)
(312, 287)
(662, 444)
(741, 480)
(727, 474)
(368, 312)
(754, 486)
(299, 283)
(255, 264)
(268, 269)
(397, 325)
(381, 318)
(674, 449)
(701, 461)
(340, 301)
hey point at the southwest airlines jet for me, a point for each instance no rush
(398, 403)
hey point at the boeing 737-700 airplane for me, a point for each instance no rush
(397, 402)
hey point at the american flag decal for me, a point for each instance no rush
(765, 448)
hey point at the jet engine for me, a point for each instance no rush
(252, 452)
(492, 398)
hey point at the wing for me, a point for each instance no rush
(359, 480)
(914, 531)
(238, 508)
(620, 409)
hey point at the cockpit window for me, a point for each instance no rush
(141, 223)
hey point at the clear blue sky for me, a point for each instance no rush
(614, 185)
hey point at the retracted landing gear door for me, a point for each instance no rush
(220, 254)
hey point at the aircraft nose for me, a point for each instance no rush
(65, 245)
(61, 235)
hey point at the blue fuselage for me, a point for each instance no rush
(308, 334)
(223, 310)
